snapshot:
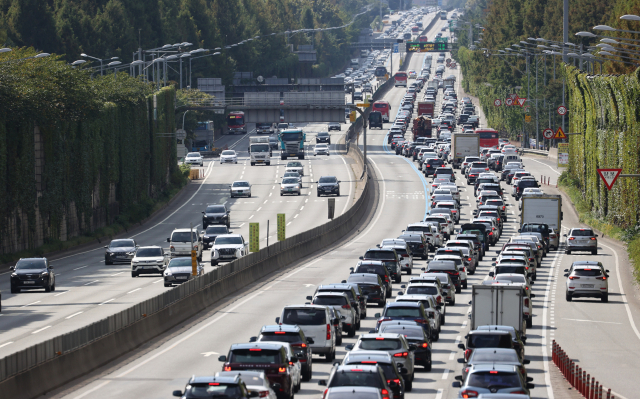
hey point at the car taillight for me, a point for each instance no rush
(455, 274)
(467, 353)
(593, 238)
(346, 306)
(325, 393)
(385, 394)
(518, 392)
(425, 345)
(439, 299)
(486, 168)
(469, 259)
(227, 368)
(571, 238)
(328, 331)
(264, 394)
(282, 369)
(526, 302)
(490, 233)
(376, 287)
(601, 278)
(428, 166)
(401, 354)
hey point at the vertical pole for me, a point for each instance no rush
(180, 73)
(267, 233)
(537, 124)
(565, 29)
(364, 126)
(563, 90)
(554, 67)
(190, 73)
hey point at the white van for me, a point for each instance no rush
(510, 158)
(315, 321)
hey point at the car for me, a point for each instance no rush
(31, 273)
(354, 293)
(432, 308)
(149, 260)
(405, 256)
(488, 338)
(586, 281)
(120, 251)
(388, 257)
(315, 321)
(334, 126)
(396, 345)
(324, 137)
(495, 355)
(492, 378)
(372, 286)
(194, 158)
(183, 241)
(290, 185)
(382, 359)
(216, 214)
(212, 387)
(296, 338)
(580, 239)
(180, 270)
(256, 382)
(415, 335)
(228, 247)
(213, 231)
(228, 156)
(357, 95)
(328, 185)
(412, 74)
(321, 149)
(340, 302)
(240, 188)
(414, 311)
(369, 375)
(359, 392)
(295, 166)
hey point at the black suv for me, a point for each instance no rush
(449, 267)
(215, 214)
(353, 292)
(32, 273)
(412, 311)
(323, 137)
(212, 232)
(229, 387)
(431, 165)
(525, 183)
(297, 340)
(328, 185)
(418, 244)
(389, 258)
(473, 175)
(487, 339)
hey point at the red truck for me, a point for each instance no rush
(421, 127)
(426, 108)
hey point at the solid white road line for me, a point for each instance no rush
(42, 329)
(73, 315)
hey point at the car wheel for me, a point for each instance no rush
(452, 302)
(319, 195)
(529, 322)
(14, 290)
(567, 252)
(331, 356)
(107, 262)
(594, 252)
(382, 303)
(53, 287)
(306, 374)
(408, 386)
(352, 332)
(458, 290)
(134, 274)
(437, 336)
(426, 256)
(534, 276)
(605, 298)
(199, 257)
(214, 263)
(47, 288)
(167, 285)
(339, 340)
(253, 164)
(398, 279)
(338, 193)
(268, 163)
(567, 296)
(409, 271)
(464, 285)
(442, 319)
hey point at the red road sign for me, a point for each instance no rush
(560, 134)
(548, 133)
(497, 102)
(521, 101)
(508, 102)
(562, 110)
(609, 176)
(513, 96)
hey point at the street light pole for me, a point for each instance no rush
(565, 28)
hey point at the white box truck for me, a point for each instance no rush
(464, 145)
(543, 209)
(498, 305)
(259, 150)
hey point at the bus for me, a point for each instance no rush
(489, 138)
(415, 30)
(380, 71)
(423, 39)
(235, 123)
(400, 79)
(384, 108)
(443, 15)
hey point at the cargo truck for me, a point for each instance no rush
(421, 127)
(259, 150)
(464, 145)
(498, 304)
(426, 108)
(543, 209)
(291, 143)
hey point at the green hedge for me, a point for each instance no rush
(605, 109)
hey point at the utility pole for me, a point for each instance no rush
(537, 125)
(565, 29)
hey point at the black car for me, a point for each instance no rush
(473, 175)
(372, 286)
(334, 126)
(32, 273)
(389, 258)
(477, 244)
(328, 185)
(324, 137)
(525, 183)
(296, 338)
(415, 336)
(120, 251)
(352, 291)
(215, 214)
(212, 387)
(412, 311)
(432, 165)
(449, 267)
(418, 243)
(212, 232)
(487, 339)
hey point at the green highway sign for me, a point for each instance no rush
(425, 47)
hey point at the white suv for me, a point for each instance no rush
(228, 247)
(181, 241)
(587, 281)
(149, 260)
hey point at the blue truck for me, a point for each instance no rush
(291, 143)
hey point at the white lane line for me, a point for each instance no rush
(158, 281)
(91, 282)
(81, 267)
(250, 217)
(73, 315)
(296, 215)
(302, 208)
(62, 293)
(137, 289)
(42, 329)
(270, 194)
(288, 223)
(5, 344)
(112, 299)
(545, 354)
(32, 303)
(439, 393)
(258, 210)
(592, 321)
(116, 274)
(307, 200)
(265, 201)
(445, 375)
(542, 163)
(241, 225)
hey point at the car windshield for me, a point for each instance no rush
(294, 165)
(328, 179)
(180, 262)
(26, 264)
(587, 272)
(193, 155)
(500, 269)
(184, 236)
(493, 379)
(122, 244)
(148, 252)
(289, 181)
(356, 378)
(292, 174)
(240, 184)
(280, 336)
(206, 390)
(330, 300)
(304, 317)
(216, 230)
(402, 312)
(216, 209)
(376, 344)
(230, 152)
(228, 240)
(255, 355)
(422, 290)
(379, 255)
(582, 233)
(325, 134)
(411, 333)
(514, 279)
(489, 341)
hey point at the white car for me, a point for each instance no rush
(293, 175)
(149, 260)
(240, 188)
(321, 149)
(228, 247)
(290, 185)
(229, 156)
(295, 166)
(194, 158)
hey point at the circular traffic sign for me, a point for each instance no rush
(508, 101)
(548, 133)
(562, 110)
(497, 102)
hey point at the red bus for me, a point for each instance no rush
(400, 79)
(415, 30)
(489, 138)
(384, 108)
(423, 39)
(235, 122)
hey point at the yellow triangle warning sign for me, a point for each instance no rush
(560, 134)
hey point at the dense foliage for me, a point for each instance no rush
(77, 153)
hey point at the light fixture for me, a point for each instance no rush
(78, 62)
(604, 27)
(5, 50)
(586, 34)
(114, 63)
(42, 55)
(630, 17)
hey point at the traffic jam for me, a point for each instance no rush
(487, 217)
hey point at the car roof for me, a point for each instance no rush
(488, 332)
(329, 293)
(493, 366)
(380, 335)
(145, 247)
(307, 306)
(363, 367)
(378, 356)
(402, 305)
(221, 379)
(259, 345)
(282, 327)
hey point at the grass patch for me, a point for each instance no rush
(629, 236)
